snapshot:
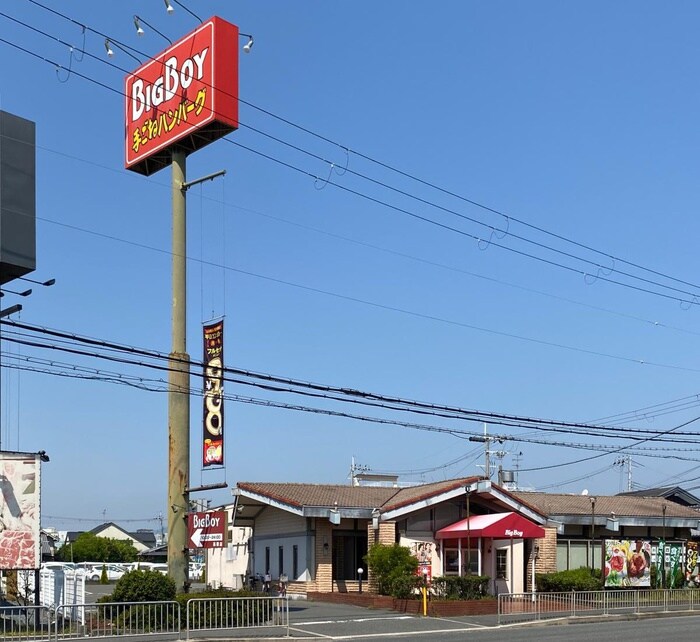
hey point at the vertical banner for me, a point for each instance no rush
(691, 562)
(213, 431)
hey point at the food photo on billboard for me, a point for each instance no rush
(627, 563)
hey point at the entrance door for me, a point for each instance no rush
(349, 548)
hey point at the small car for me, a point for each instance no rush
(114, 572)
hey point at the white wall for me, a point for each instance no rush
(117, 533)
(276, 528)
(514, 581)
(228, 566)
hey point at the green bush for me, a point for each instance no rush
(103, 575)
(405, 587)
(467, 587)
(580, 579)
(144, 586)
(391, 566)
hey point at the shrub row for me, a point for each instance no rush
(580, 579)
(467, 587)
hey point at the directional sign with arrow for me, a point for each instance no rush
(207, 530)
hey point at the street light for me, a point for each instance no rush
(592, 532)
(663, 552)
(248, 45)
(139, 30)
(110, 52)
(468, 491)
(47, 284)
(23, 293)
(360, 571)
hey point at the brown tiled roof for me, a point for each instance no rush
(414, 494)
(621, 505)
(300, 495)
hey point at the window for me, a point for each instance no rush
(267, 559)
(502, 564)
(573, 554)
(452, 561)
(295, 561)
(280, 560)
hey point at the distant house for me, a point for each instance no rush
(49, 544)
(142, 540)
(158, 554)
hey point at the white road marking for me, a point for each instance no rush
(363, 619)
(402, 634)
(311, 633)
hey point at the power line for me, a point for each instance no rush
(601, 270)
(410, 176)
(443, 266)
(272, 383)
(623, 448)
(393, 308)
(459, 433)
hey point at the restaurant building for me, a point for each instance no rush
(317, 535)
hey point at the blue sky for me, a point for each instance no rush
(576, 118)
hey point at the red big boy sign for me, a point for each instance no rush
(187, 95)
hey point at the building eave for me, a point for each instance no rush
(270, 501)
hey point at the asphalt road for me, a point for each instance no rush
(318, 620)
(347, 623)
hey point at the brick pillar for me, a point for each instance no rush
(324, 558)
(386, 534)
(547, 556)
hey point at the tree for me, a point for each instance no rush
(144, 586)
(390, 566)
(88, 547)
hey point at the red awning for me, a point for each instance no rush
(496, 526)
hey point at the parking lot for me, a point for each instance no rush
(337, 621)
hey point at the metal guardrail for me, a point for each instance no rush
(26, 622)
(116, 619)
(144, 619)
(206, 614)
(529, 607)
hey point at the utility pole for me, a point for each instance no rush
(179, 385)
(629, 473)
(486, 440)
(179, 381)
(516, 461)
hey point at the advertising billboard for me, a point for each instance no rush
(17, 197)
(213, 421)
(185, 96)
(20, 518)
(627, 563)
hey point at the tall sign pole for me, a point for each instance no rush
(179, 388)
(176, 103)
